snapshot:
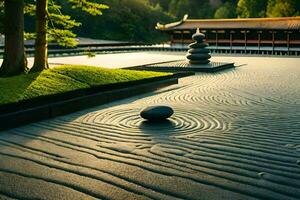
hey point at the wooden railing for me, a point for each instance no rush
(237, 48)
(240, 41)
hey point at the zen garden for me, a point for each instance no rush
(150, 99)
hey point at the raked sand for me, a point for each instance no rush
(234, 135)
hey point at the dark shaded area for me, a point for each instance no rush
(159, 129)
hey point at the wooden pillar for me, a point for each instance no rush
(182, 39)
(273, 41)
(231, 41)
(217, 39)
(245, 36)
(288, 41)
(259, 40)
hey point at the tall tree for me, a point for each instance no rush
(14, 59)
(62, 34)
(41, 50)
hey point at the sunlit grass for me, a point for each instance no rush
(63, 79)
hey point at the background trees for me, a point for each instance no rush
(283, 8)
(227, 10)
(230, 8)
(134, 20)
(195, 8)
(126, 20)
(251, 8)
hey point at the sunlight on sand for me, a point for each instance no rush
(234, 135)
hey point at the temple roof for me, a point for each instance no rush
(283, 23)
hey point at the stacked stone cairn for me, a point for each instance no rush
(198, 53)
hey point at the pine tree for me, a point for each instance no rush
(52, 25)
(14, 61)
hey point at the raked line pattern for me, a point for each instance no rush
(234, 135)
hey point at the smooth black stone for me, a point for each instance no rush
(157, 113)
(196, 51)
(198, 56)
(196, 45)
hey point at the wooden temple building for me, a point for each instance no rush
(260, 35)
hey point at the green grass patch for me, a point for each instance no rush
(64, 79)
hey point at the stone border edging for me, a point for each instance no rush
(91, 98)
(160, 67)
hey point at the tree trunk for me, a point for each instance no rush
(41, 45)
(14, 59)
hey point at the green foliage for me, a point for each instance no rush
(194, 8)
(62, 37)
(164, 4)
(29, 8)
(173, 7)
(251, 8)
(60, 26)
(268, 8)
(180, 7)
(63, 20)
(126, 20)
(63, 79)
(90, 54)
(92, 8)
(201, 9)
(1, 16)
(227, 10)
(282, 8)
(134, 20)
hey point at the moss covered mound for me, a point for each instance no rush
(64, 79)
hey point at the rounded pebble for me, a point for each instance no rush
(157, 113)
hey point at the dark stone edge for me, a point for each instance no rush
(138, 67)
(65, 106)
(184, 69)
(48, 99)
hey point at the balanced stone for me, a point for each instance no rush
(157, 113)
(196, 45)
(197, 53)
(198, 57)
